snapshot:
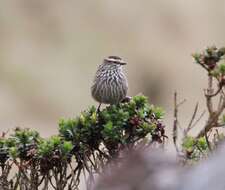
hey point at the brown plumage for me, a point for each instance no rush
(110, 84)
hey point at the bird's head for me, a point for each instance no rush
(114, 62)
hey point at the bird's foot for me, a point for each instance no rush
(98, 109)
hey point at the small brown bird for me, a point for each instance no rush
(110, 84)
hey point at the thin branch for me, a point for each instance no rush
(181, 103)
(212, 120)
(219, 125)
(50, 180)
(213, 115)
(207, 141)
(206, 68)
(175, 122)
(41, 180)
(217, 92)
(192, 120)
(196, 122)
(207, 95)
(220, 100)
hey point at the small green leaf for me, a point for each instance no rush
(55, 140)
(197, 57)
(222, 68)
(159, 112)
(13, 152)
(67, 146)
(94, 118)
(82, 119)
(108, 126)
(188, 143)
(202, 143)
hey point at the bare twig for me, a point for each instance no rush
(208, 93)
(207, 141)
(181, 103)
(217, 92)
(175, 121)
(213, 115)
(206, 68)
(197, 120)
(220, 100)
(192, 120)
(212, 121)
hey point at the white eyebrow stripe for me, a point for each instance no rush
(111, 59)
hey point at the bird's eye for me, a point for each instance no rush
(116, 62)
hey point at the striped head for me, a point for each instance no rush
(113, 62)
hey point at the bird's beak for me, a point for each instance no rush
(122, 62)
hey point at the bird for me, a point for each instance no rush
(110, 84)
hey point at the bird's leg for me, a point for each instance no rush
(98, 110)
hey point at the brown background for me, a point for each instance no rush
(49, 51)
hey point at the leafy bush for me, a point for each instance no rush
(90, 141)
(85, 143)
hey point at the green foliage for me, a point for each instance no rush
(87, 141)
(188, 143)
(202, 144)
(47, 147)
(66, 147)
(195, 148)
(212, 59)
(140, 101)
(115, 125)
(21, 142)
(13, 152)
(25, 136)
(67, 128)
(197, 57)
(222, 68)
(159, 112)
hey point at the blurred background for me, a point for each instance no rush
(50, 49)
